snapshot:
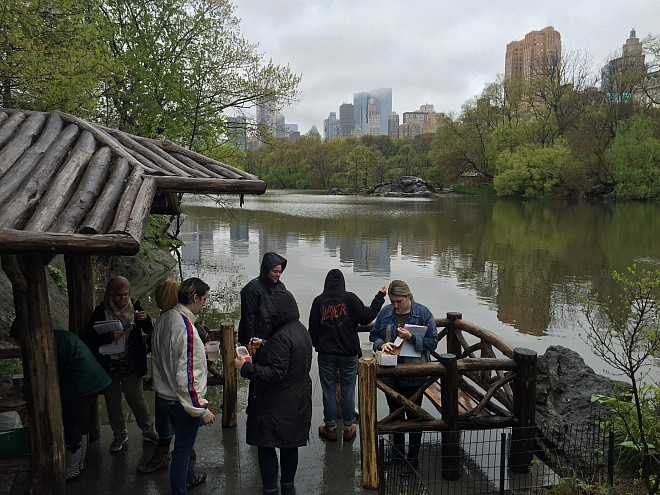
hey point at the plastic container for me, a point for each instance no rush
(367, 349)
(14, 443)
(212, 350)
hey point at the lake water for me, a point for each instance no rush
(513, 267)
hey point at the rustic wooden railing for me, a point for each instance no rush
(469, 392)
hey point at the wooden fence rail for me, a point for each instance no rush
(468, 392)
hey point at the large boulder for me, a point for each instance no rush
(405, 186)
(569, 424)
(564, 387)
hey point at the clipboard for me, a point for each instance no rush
(116, 346)
(407, 349)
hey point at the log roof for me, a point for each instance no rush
(71, 186)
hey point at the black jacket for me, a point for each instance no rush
(254, 294)
(336, 314)
(135, 360)
(279, 411)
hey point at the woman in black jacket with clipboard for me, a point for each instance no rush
(127, 367)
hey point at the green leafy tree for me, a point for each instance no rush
(635, 159)
(625, 334)
(53, 55)
(185, 64)
(530, 170)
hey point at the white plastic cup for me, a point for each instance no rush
(212, 350)
(367, 349)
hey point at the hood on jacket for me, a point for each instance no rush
(334, 281)
(270, 260)
(278, 310)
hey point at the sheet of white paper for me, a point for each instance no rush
(398, 341)
(408, 349)
(116, 346)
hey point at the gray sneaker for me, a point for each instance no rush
(118, 443)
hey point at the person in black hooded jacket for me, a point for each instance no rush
(279, 410)
(255, 292)
(333, 322)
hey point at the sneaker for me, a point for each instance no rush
(328, 433)
(349, 433)
(151, 437)
(197, 480)
(118, 443)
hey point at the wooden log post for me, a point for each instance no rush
(229, 388)
(453, 344)
(367, 406)
(524, 409)
(80, 286)
(451, 460)
(41, 385)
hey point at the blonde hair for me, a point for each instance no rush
(167, 295)
(399, 288)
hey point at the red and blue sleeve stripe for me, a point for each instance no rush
(190, 361)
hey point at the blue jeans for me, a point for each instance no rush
(185, 432)
(164, 426)
(347, 366)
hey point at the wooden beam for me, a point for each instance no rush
(210, 186)
(80, 286)
(42, 389)
(20, 241)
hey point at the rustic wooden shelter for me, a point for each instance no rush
(71, 187)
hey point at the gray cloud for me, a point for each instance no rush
(428, 51)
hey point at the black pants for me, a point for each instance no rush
(75, 418)
(414, 439)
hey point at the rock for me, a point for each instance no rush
(406, 186)
(564, 411)
(57, 297)
(564, 388)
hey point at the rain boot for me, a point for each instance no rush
(288, 489)
(158, 462)
(84, 442)
(72, 460)
(269, 491)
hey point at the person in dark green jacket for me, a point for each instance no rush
(81, 378)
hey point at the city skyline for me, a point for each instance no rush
(427, 52)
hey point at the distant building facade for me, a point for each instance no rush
(346, 120)
(621, 76)
(331, 127)
(237, 131)
(393, 126)
(382, 98)
(422, 121)
(536, 55)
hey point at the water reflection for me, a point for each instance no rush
(510, 266)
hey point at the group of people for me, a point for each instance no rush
(279, 406)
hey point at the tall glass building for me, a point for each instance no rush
(382, 98)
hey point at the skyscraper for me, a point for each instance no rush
(331, 127)
(393, 126)
(373, 118)
(382, 98)
(538, 54)
(346, 120)
(620, 75)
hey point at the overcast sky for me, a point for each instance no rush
(428, 51)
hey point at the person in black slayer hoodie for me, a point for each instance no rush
(333, 322)
(279, 410)
(255, 292)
